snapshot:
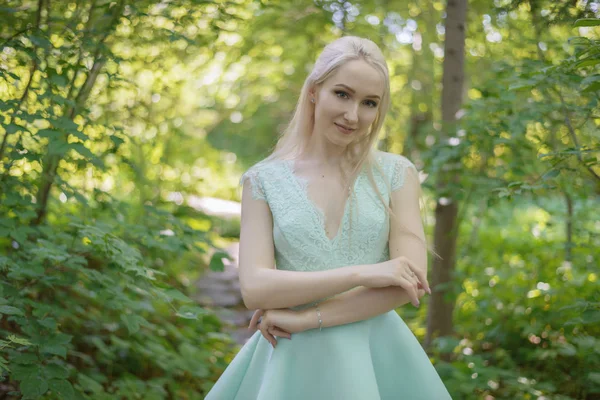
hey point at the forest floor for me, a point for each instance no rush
(221, 292)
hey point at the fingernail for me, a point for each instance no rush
(429, 291)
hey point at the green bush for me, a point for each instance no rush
(91, 310)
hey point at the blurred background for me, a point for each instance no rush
(125, 127)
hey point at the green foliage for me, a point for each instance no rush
(96, 283)
(527, 318)
(526, 285)
(97, 264)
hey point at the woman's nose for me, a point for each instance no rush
(351, 114)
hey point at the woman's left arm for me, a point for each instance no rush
(406, 238)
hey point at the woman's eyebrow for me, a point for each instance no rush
(353, 91)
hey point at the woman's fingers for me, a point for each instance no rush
(268, 332)
(411, 290)
(412, 279)
(420, 274)
(255, 318)
(268, 336)
(275, 331)
(265, 328)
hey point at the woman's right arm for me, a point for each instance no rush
(265, 287)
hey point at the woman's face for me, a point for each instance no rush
(346, 103)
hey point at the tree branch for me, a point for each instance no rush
(573, 135)
(34, 67)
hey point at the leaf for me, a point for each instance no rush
(49, 323)
(4, 365)
(34, 386)
(66, 124)
(30, 117)
(567, 349)
(216, 261)
(18, 340)
(579, 41)
(587, 22)
(81, 149)
(551, 174)
(174, 294)
(62, 388)
(116, 140)
(90, 384)
(58, 147)
(55, 371)
(25, 358)
(587, 62)
(56, 344)
(594, 87)
(33, 383)
(14, 76)
(591, 316)
(48, 133)
(12, 128)
(133, 322)
(58, 80)
(20, 371)
(79, 134)
(55, 349)
(10, 310)
(519, 86)
(590, 79)
(40, 41)
(191, 312)
(594, 377)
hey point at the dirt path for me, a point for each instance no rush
(221, 291)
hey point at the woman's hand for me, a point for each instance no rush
(398, 271)
(282, 323)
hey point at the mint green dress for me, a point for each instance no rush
(374, 359)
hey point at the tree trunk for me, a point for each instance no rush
(417, 117)
(568, 226)
(51, 161)
(441, 305)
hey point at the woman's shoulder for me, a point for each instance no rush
(395, 167)
(392, 160)
(263, 167)
(262, 170)
(265, 177)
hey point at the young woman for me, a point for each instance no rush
(331, 243)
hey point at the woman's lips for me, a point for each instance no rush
(344, 130)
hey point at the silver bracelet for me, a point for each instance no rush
(319, 317)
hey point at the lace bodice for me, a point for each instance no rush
(299, 237)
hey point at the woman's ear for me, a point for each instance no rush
(312, 92)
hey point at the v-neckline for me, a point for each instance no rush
(302, 185)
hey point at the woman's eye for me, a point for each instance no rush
(343, 95)
(339, 92)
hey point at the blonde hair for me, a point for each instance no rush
(360, 153)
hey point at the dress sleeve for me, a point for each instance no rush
(258, 192)
(399, 166)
